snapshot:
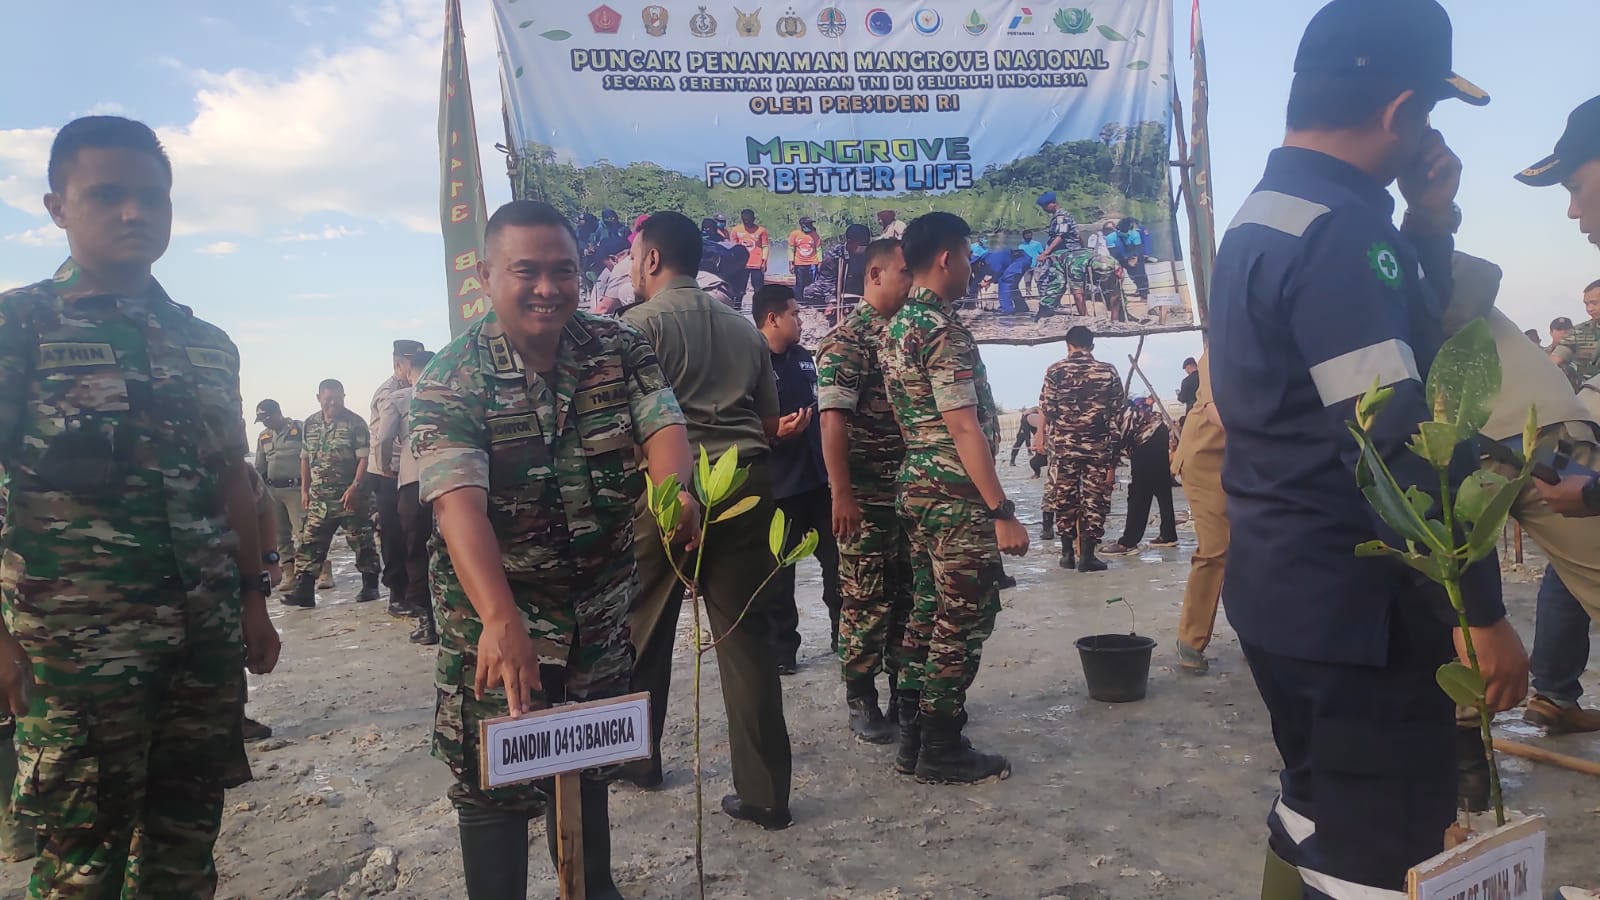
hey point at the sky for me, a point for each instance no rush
(304, 138)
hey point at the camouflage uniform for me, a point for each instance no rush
(875, 566)
(1578, 354)
(16, 839)
(1082, 402)
(1055, 281)
(335, 450)
(118, 417)
(560, 468)
(931, 366)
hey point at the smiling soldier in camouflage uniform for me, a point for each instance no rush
(863, 449)
(131, 521)
(332, 472)
(950, 500)
(527, 429)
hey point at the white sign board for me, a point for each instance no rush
(1505, 864)
(564, 739)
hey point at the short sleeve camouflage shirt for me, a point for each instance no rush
(850, 379)
(335, 445)
(1579, 351)
(931, 366)
(1083, 403)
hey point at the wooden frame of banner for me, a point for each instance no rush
(1471, 851)
(569, 809)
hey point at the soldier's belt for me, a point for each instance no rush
(283, 482)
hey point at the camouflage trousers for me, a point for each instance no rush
(132, 735)
(875, 592)
(957, 597)
(323, 518)
(1055, 281)
(1079, 496)
(578, 661)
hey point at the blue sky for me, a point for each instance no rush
(304, 136)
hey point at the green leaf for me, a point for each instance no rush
(1138, 33)
(1110, 34)
(738, 509)
(1475, 493)
(1427, 565)
(556, 34)
(1113, 601)
(1386, 498)
(1464, 686)
(1486, 531)
(702, 477)
(1138, 65)
(738, 480)
(1371, 404)
(525, 24)
(1465, 379)
(1165, 77)
(518, 73)
(1435, 442)
(1420, 501)
(776, 533)
(1530, 438)
(722, 475)
(808, 545)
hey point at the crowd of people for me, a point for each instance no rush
(140, 545)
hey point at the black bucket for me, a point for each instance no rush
(1117, 666)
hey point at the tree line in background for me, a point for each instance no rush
(1122, 172)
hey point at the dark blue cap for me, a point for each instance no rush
(1405, 39)
(1046, 198)
(1579, 144)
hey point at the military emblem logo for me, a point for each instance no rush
(702, 24)
(1385, 263)
(831, 22)
(655, 20)
(927, 20)
(975, 24)
(879, 22)
(748, 24)
(605, 20)
(791, 25)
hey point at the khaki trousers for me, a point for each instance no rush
(1568, 543)
(1202, 486)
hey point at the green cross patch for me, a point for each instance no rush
(1385, 263)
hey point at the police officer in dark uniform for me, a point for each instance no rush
(1316, 293)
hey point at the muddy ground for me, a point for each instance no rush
(1163, 798)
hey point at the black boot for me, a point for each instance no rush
(369, 587)
(426, 632)
(947, 759)
(304, 594)
(1069, 560)
(866, 720)
(398, 608)
(1087, 561)
(892, 708)
(1049, 533)
(494, 853)
(905, 759)
(594, 797)
(1472, 769)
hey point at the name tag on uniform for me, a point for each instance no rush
(513, 428)
(67, 355)
(211, 358)
(606, 396)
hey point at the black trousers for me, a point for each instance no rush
(416, 525)
(733, 567)
(1369, 762)
(1152, 480)
(813, 509)
(391, 536)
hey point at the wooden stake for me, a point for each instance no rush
(569, 836)
(1540, 754)
(1517, 538)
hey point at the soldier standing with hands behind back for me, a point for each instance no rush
(335, 460)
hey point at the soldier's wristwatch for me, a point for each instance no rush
(264, 584)
(1006, 510)
(271, 558)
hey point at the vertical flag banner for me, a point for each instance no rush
(461, 209)
(840, 112)
(1203, 226)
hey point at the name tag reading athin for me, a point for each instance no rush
(564, 739)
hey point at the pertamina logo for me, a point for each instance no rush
(879, 22)
(1022, 22)
(831, 22)
(605, 20)
(927, 21)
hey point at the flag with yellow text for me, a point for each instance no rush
(461, 209)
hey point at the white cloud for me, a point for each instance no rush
(43, 236)
(328, 233)
(220, 248)
(350, 131)
(105, 108)
(8, 285)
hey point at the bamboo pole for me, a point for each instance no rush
(1540, 754)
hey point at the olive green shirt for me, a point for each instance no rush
(718, 364)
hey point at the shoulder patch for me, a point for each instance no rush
(1383, 260)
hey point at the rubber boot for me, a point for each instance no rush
(1087, 561)
(1472, 769)
(1279, 880)
(866, 720)
(426, 632)
(1049, 533)
(398, 608)
(494, 854)
(947, 759)
(905, 759)
(594, 797)
(369, 587)
(891, 710)
(304, 594)
(1069, 560)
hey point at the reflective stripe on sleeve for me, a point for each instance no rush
(1278, 211)
(1350, 374)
